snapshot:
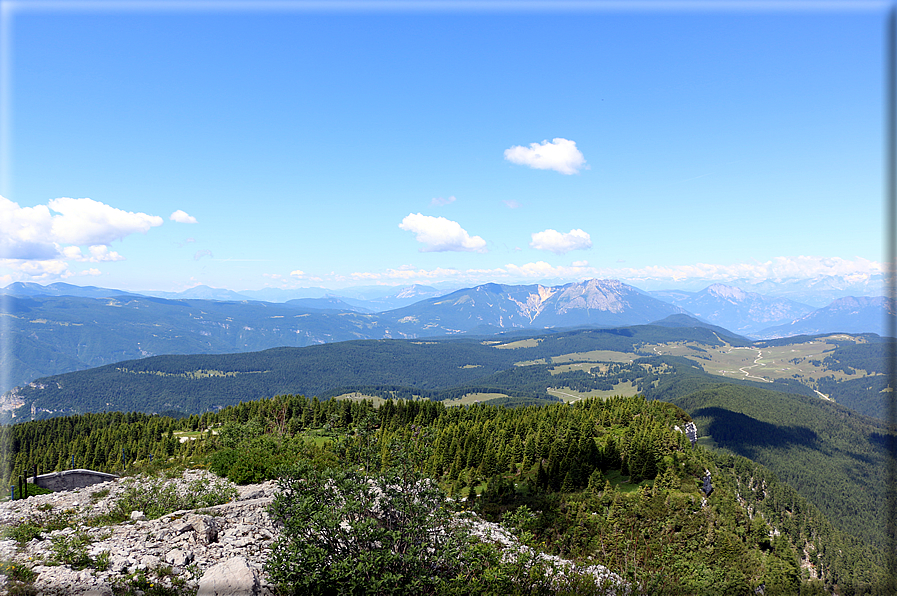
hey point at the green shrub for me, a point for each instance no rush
(347, 533)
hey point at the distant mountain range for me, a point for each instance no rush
(848, 315)
(60, 327)
(746, 313)
(362, 299)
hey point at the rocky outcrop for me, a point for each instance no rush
(213, 551)
(691, 431)
(216, 551)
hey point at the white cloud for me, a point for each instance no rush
(439, 201)
(202, 253)
(26, 232)
(780, 268)
(89, 222)
(439, 234)
(511, 204)
(560, 155)
(560, 244)
(100, 253)
(298, 273)
(35, 233)
(93, 271)
(181, 217)
(30, 270)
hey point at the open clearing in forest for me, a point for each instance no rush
(523, 343)
(472, 398)
(596, 356)
(800, 360)
(356, 396)
(626, 389)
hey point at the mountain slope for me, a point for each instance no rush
(50, 334)
(853, 314)
(836, 458)
(593, 303)
(735, 309)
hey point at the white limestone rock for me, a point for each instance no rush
(233, 577)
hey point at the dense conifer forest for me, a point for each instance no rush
(612, 481)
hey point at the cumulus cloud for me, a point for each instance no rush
(26, 232)
(439, 234)
(98, 254)
(439, 201)
(85, 221)
(298, 273)
(44, 270)
(181, 217)
(560, 244)
(37, 234)
(560, 155)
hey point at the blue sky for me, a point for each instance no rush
(161, 148)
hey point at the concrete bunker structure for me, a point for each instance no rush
(71, 479)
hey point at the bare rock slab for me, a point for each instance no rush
(233, 577)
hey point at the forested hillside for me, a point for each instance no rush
(834, 457)
(434, 369)
(605, 481)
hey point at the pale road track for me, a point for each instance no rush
(575, 398)
(744, 370)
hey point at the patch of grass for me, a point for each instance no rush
(19, 579)
(98, 495)
(71, 550)
(140, 584)
(625, 389)
(17, 572)
(33, 490)
(594, 356)
(472, 398)
(624, 483)
(356, 396)
(157, 497)
(523, 343)
(44, 521)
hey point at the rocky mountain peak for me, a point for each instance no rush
(730, 293)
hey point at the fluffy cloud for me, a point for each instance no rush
(439, 201)
(181, 217)
(89, 222)
(36, 233)
(202, 253)
(298, 274)
(98, 254)
(439, 234)
(26, 232)
(560, 244)
(560, 155)
(45, 270)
